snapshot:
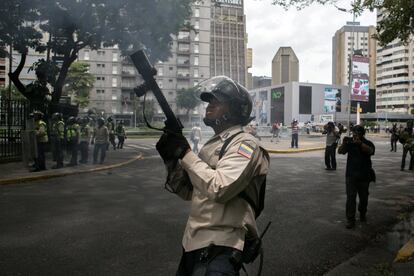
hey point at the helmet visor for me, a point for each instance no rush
(214, 87)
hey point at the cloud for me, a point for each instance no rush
(309, 32)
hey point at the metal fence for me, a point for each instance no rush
(13, 114)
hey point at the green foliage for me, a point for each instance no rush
(79, 83)
(47, 70)
(15, 94)
(187, 99)
(398, 21)
(74, 25)
(412, 111)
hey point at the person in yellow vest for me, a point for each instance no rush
(57, 135)
(111, 129)
(72, 135)
(85, 137)
(41, 141)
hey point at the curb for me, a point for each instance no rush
(9, 181)
(406, 252)
(295, 150)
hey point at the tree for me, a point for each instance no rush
(398, 21)
(15, 95)
(79, 83)
(70, 26)
(186, 98)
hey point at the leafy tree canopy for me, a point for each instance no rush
(79, 83)
(398, 21)
(187, 99)
(73, 25)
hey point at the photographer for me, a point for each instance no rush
(332, 136)
(359, 173)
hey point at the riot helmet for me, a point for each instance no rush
(100, 121)
(71, 120)
(37, 115)
(225, 90)
(57, 116)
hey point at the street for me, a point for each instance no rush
(123, 221)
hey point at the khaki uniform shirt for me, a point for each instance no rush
(218, 216)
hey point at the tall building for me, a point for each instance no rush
(261, 81)
(2, 72)
(395, 76)
(342, 42)
(228, 39)
(285, 66)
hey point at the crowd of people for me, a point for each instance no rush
(75, 135)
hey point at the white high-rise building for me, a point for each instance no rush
(395, 76)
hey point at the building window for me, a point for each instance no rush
(86, 55)
(197, 12)
(114, 56)
(160, 84)
(196, 49)
(114, 82)
(197, 25)
(100, 78)
(114, 69)
(195, 82)
(195, 72)
(197, 37)
(160, 71)
(100, 53)
(170, 80)
(114, 97)
(100, 91)
(170, 68)
(195, 60)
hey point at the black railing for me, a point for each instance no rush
(13, 114)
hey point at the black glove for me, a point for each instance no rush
(172, 146)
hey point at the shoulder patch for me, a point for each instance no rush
(246, 150)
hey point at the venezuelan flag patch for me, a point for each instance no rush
(246, 150)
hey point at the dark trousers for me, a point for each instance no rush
(209, 261)
(40, 160)
(330, 157)
(112, 141)
(356, 187)
(295, 138)
(404, 156)
(121, 140)
(84, 150)
(74, 147)
(393, 144)
(99, 148)
(58, 152)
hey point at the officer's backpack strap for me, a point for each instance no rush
(255, 189)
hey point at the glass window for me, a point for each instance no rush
(197, 25)
(114, 69)
(114, 97)
(114, 56)
(195, 60)
(86, 56)
(160, 84)
(160, 71)
(195, 72)
(197, 37)
(197, 12)
(196, 48)
(114, 82)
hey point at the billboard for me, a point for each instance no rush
(260, 104)
(332, 100)
(277, 100)
(305, 100)
(360, 79)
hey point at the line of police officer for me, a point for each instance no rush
(76, 135)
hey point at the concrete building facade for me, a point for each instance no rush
(228, 40)
(360, 38)
(395, 76)
(285, 66)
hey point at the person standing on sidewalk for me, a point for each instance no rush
(196, 136)
(72, 135)
(101, 137)
(275, 131)
(394, 137)
(221, 222)
(111, 129)
(332, 137)
(121, 135)
(359, 173)
(57, 136)
(407, 141)
(41, 141)
(85, 137)
(295, 133)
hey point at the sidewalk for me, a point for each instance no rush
(17, 172)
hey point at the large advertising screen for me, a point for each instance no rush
(277, 97)
(305, 100)
(360, 79)
(332, 100)
(260, 106)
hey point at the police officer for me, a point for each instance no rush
(111, 128)
(220, 221)
(41, 141)
(57, 135)
(359, 173)
(72, 136)
(85, 137)
(101, 140)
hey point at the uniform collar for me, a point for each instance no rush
(229, 132)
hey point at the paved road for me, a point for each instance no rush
(122, 222)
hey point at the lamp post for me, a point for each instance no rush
(351, 54)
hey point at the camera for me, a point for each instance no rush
(348, 140)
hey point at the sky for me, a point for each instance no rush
(309, 32)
